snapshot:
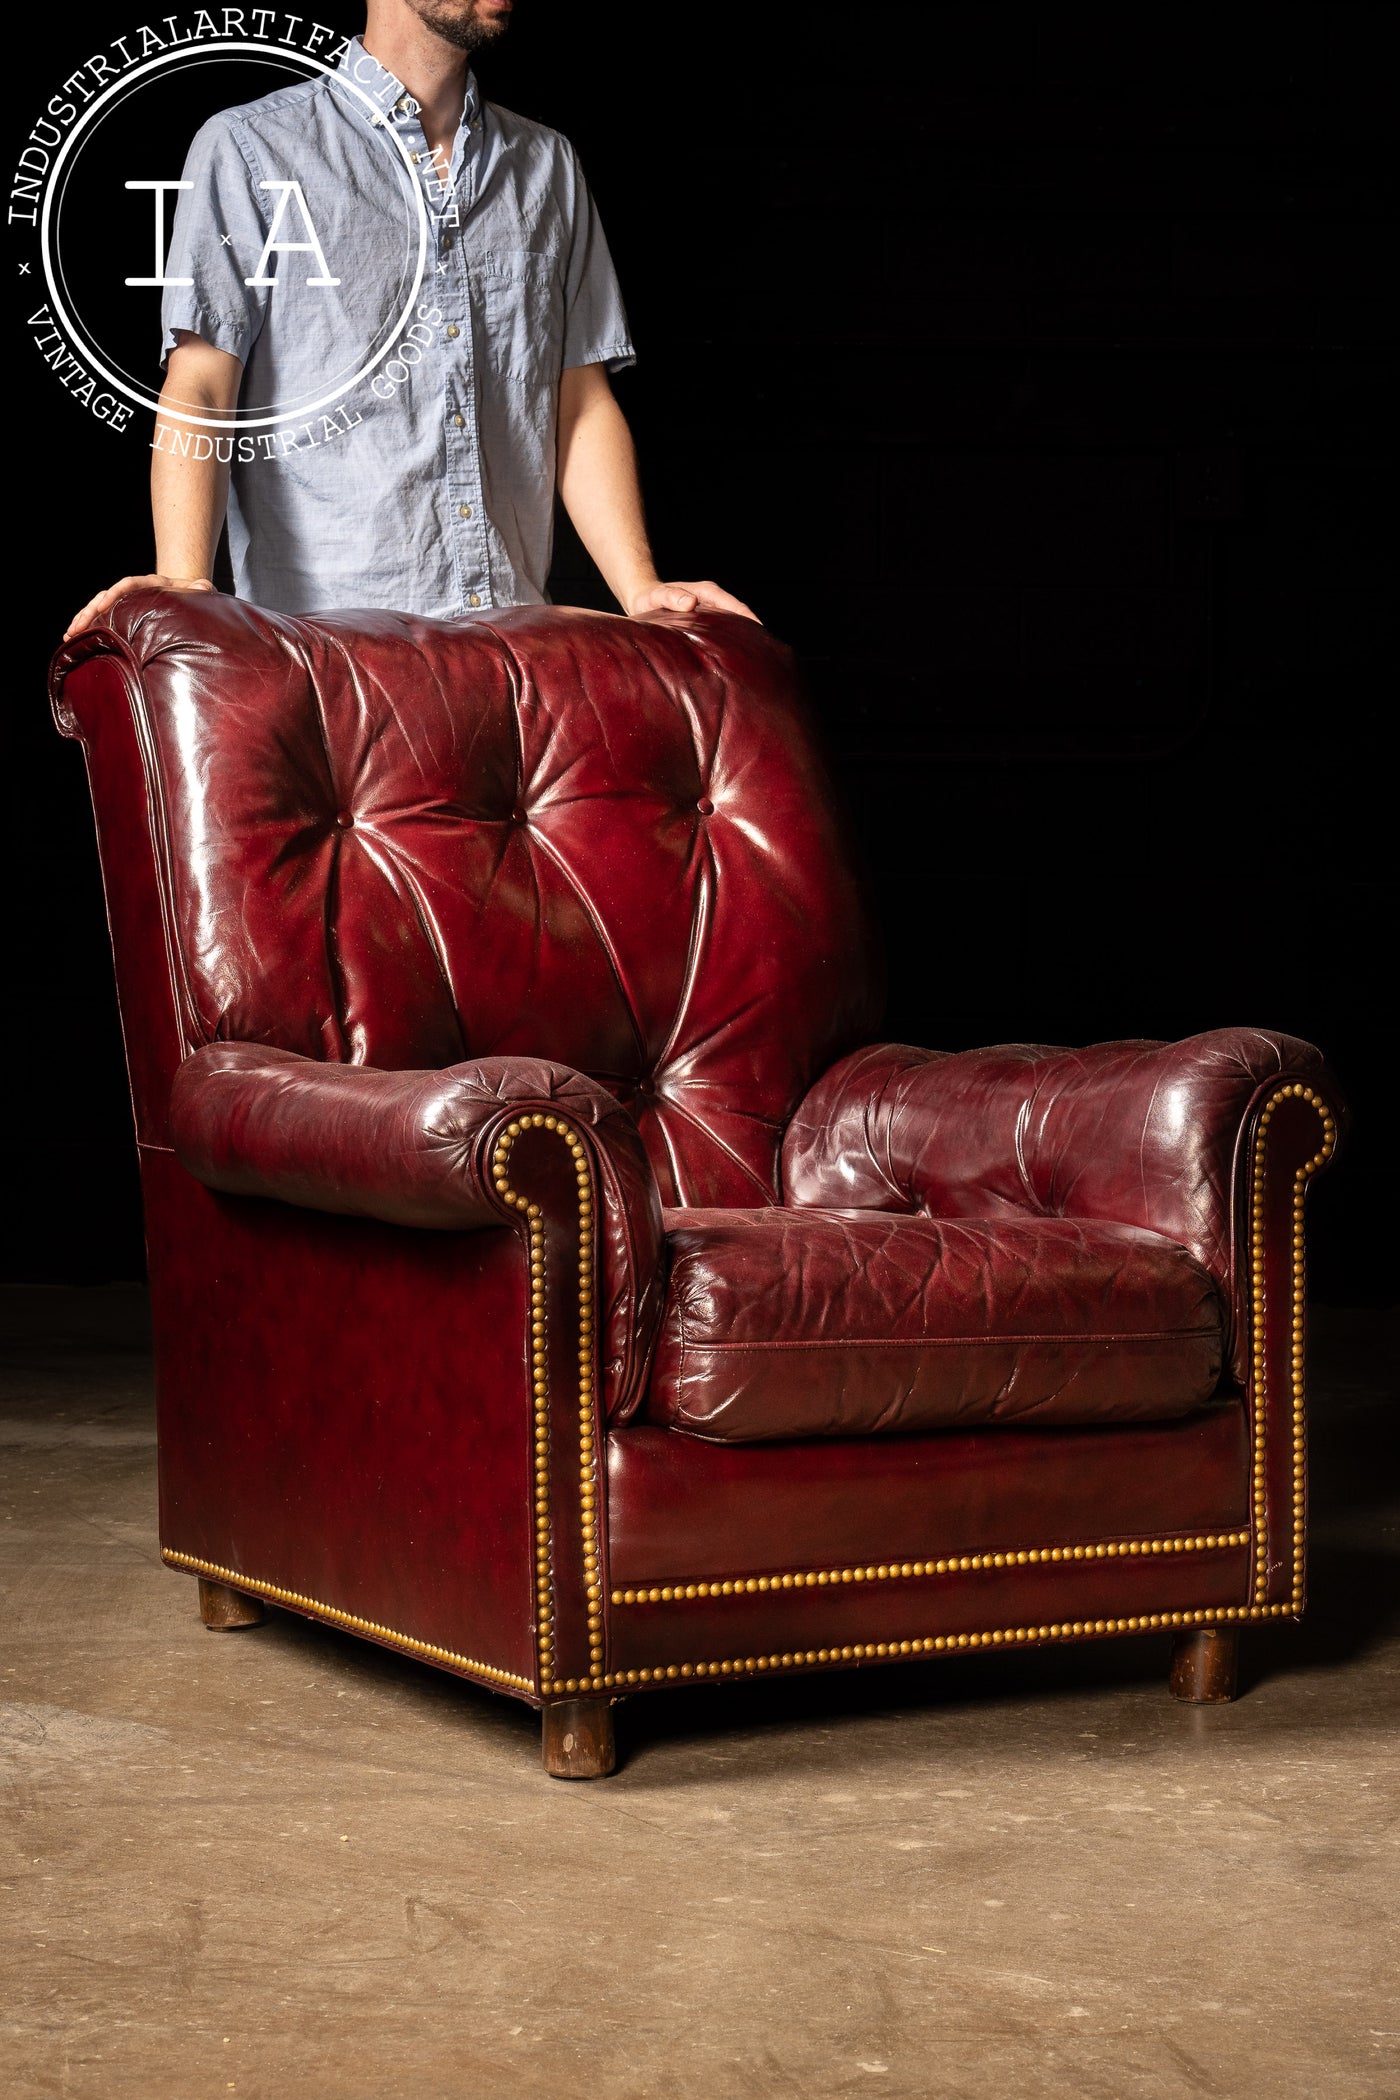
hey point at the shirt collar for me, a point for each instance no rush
(387, 92)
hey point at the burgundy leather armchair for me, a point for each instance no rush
(551, 1277)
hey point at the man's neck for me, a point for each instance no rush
(433, 71)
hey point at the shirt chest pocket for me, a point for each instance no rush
(520, 315)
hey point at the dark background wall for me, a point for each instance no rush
(1023, 367)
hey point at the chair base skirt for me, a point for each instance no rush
(579, 1741)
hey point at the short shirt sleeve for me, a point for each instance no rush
(595, 321)
(217, 238)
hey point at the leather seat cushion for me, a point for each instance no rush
(805, 1322)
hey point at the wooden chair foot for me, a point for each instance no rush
(578, 1738)
(222, 1609)
(1204, 1664)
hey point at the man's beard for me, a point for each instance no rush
(466, 32)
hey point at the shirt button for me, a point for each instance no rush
(414, 158)
(446, 242)
(460, 421)
(453, 329)
(465, 509)
(473, 600)
(402, 104)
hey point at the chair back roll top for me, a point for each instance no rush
(403, 842)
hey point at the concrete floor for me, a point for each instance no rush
(282, 1863)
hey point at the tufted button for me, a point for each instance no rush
(705, 806)
(517, 815)
(344, 819)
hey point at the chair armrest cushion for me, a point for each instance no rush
(1137, 1133)
(414, 1149)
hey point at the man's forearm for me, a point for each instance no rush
(188, 499)
(189, 495)
(597, 475)
(599, 484)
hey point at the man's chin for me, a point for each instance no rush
(492, 20)
(485, 24)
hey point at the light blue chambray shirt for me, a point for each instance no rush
(440, 498)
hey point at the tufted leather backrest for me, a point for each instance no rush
(405, 842)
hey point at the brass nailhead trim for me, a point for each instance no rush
(237, 1580)
(539, 1380)
(1013, 1636)
(1259, 1305)
(1021, 1556)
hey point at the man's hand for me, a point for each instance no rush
(105, 600)
(684, 598)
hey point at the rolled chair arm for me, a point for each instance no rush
(1137, 1133)
(418, 1149)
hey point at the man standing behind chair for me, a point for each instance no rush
(433, 493)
